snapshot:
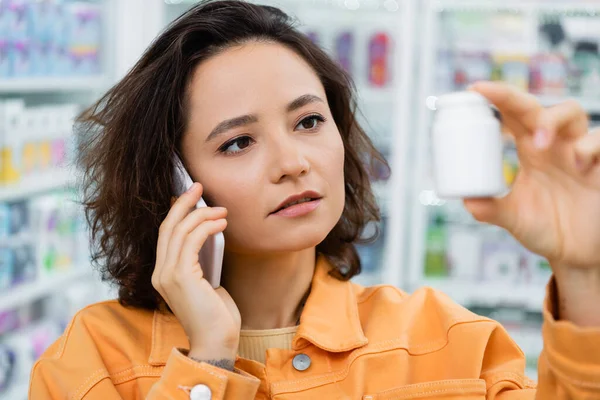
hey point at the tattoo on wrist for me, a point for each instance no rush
(223, 364)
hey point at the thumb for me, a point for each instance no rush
(492, 210)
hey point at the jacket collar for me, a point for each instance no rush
(329, 320)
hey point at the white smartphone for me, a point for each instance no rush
(211, 253)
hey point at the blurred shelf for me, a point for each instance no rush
(591, 105)
(53, 84)
(43, 286)
(17, 240)
(359, 6)
(373, 95)
(526, 296)
(18, 392)
(593, 7)
(42, 183)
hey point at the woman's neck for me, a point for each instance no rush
(268, 291)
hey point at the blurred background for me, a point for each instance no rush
(57, 56)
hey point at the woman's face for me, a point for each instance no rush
(260, 130)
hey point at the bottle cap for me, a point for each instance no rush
(461, 99)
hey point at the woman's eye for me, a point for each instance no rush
(311, 122)
(236, 145)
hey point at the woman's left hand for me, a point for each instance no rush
(553, 207)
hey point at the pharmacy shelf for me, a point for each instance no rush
(28, 292)
(38, 184)
(526, 296)
(58, 84)
(590, 6)
(592, 106)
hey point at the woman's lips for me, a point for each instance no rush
(299, 210)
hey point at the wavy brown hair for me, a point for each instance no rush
(128, 137)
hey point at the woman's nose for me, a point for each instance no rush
(289, 160)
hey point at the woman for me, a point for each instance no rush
(265, 121)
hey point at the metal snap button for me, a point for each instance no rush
(200, 392)
(301, 362)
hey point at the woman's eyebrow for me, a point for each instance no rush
(243, 120)
(231, 124)
(302, 101)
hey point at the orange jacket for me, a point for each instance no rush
(362, 343)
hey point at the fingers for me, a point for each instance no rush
(519, 109)
(587, 150)
(569, 119)
(174, 231)
(179, 209)
(180, 233)
(193, 242)
(494, 211)
(183, 247)
(523, 114)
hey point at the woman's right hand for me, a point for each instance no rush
(209, 316)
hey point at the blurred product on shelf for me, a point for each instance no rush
(59, 232)
(49, 38)
(510, 165)
(457, 249)
(40, 237)
(554, 64)
(510, 159)
(380, 56)
(542, 74)
(550, 75)
(501, 262)
(594, 121)
(586, 62)
(469, 67)
(35, 142)
(512, 68)
(374, 61)
(26, 332)
(344, 50)
(462, 252)
(436, 264)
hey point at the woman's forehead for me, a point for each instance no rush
(258, 66)
(250, 79)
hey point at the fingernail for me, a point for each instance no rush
(193, 187)
(541, 140)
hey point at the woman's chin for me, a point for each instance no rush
(284, 242)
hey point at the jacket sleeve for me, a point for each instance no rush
(74, 368)
(182, 373)
(568, 367)
(54, 380)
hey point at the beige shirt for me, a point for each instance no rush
(254, 343)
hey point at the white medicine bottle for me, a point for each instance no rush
(467, 147)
